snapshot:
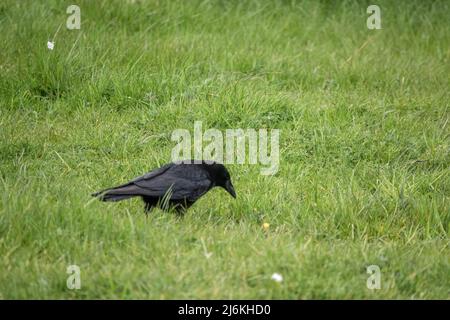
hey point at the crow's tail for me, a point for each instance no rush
(118, 193)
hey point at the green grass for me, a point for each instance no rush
(364, 169)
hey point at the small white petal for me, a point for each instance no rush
(277, 277)
(50, 45)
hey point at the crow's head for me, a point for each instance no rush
(220, 176)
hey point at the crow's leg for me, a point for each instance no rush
(182, 206)
(180, 209)
(148, 207)
(149, 204)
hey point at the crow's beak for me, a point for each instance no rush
(229, 187)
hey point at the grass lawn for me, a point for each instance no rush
(364, 173)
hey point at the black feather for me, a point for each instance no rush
(172, 186)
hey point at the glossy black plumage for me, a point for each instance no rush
(173, 185)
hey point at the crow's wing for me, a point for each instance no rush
(147, 176)
(151, 174)
(182, 181)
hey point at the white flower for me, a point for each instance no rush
(277, 277)
(50, 45)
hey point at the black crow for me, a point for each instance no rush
(174, 185)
